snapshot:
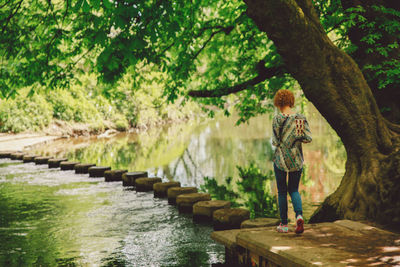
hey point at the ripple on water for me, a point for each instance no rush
(56, 217)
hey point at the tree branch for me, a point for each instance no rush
(226, 30)
(6, 3)
(263, 74)
(11, 16)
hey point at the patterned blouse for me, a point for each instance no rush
(288, 134)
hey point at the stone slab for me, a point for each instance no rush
(227, 238)
(98, 171)
(5, 154)
(203, 210)
(161, 189)
(114, 175)
(67, 165)
(42, 160)
(17, 156)
(323, 244)
(128, 178)
(55, 163)
(173, 192)
(260, 222)
(224, 219)
(83, 167)
(185, 202)
(145, 184)
(29, 158)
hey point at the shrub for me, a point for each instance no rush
(24, 113)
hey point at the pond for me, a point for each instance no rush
(49, 217)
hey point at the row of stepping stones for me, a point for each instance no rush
(187, 199)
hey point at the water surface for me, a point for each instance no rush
(50, 217)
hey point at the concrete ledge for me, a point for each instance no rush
(203, 210)
(55, 163)
(260, 222)
(173, 192)
(161, 189)
(342, 243)
(146, 184)
(114, 175)
(128, 178)
(185, 202)
(83, 167)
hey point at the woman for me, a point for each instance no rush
(290, 130)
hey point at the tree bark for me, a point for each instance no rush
(333, 82)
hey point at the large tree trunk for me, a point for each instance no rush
(333, 82)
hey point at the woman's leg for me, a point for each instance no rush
(293, 188)
(282, 194)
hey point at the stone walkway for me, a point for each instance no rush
(342, 243)
(19, 142)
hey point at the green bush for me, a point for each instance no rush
(253, 191)
(63, 104)
(24, 113)
(121, 123)
(73, 106)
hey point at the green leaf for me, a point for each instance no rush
(95, 4)
(107, 4)
(78, 5)
(85, 7)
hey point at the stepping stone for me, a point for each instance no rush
(260, 222)
(160, 189)
(67, 165)
(42, 160)
(225, 219)
(114, 175)
(98, 171)
(83, 167)
(5, 154)
(185, 202)
(128, 178)
(173, 192)
(146, 184)
(17, 156)
(55, 163)
(203, 210)
(29, 158)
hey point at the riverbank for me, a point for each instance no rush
(62, 129)
(19, 142)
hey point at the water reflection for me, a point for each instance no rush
(54, 218)
(50, 218)
(189, 152)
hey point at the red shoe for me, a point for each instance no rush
(299, 225)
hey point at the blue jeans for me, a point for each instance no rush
(293, 188)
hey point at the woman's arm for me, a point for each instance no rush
(275, 141)
(306, 133)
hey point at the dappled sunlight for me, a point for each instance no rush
(280, 248)
(350, 261)
(390, 249)
(317, 263)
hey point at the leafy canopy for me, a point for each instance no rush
(207, 47)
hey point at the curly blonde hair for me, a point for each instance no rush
(283, 98)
